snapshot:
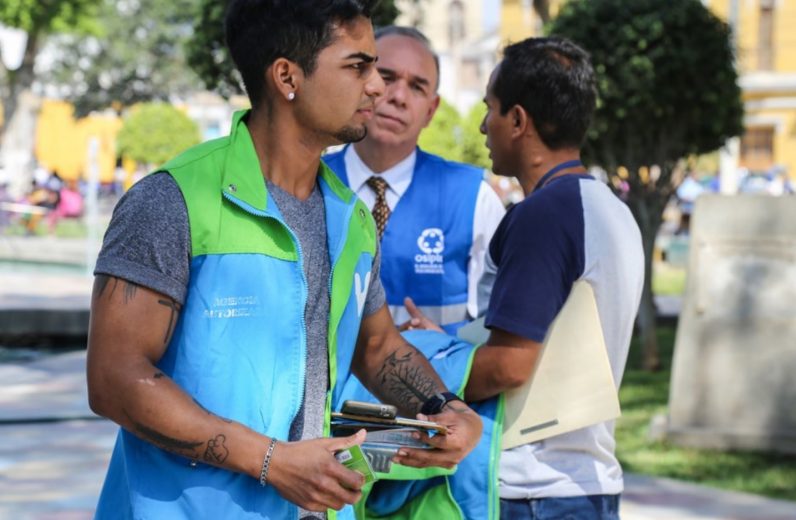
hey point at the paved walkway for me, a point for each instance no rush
(55, 451)
(45, 286)
(54, 455)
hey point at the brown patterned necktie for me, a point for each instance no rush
(381, 211)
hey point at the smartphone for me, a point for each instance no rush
(385, 411)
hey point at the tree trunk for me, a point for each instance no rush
(19, 80)
(648, 217)
(542, 8)
(16, 147)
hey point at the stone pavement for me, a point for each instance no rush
(55, 452)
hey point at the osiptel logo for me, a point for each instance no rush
(432, 243)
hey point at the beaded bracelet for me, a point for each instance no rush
(267, 462)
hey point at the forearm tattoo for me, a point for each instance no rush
(405, 378)
(215, 450)
(189, 449)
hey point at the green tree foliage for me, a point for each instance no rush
(474, 150)
(155, 132)
(386, 12)
(457, 138)
(443, 136)
(137, 55)
(667, 88)
(207, 52)
(38, 18)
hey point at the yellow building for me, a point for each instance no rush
(766, 51)
(62, 142)
(518, 20)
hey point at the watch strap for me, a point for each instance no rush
(437, 402)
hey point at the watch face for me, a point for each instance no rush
(433, 405)
(438, 401)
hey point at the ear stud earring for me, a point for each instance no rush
(291, 96)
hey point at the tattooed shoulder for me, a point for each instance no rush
(104, 282)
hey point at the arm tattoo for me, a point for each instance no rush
(175, 309)
(129, 291)
(216, 451)
(179, 446)
(102, 283)
(406, 380)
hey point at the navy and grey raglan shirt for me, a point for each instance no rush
(571, 228)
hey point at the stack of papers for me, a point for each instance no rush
(384, 436)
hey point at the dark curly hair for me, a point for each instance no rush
(258, 32)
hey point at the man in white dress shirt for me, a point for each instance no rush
(435, 217)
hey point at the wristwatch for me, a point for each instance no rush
(436, 402)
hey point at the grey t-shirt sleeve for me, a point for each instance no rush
(376, 297)
(148, 241)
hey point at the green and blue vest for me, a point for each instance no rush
(239, 347)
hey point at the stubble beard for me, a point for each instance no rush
(351, 134)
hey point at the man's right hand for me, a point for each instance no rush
(417, 320)
(307, 473)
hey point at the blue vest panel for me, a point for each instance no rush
(426, 245)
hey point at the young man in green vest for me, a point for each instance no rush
(240, 284)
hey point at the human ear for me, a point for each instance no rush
(432, 110)
(285, 76)
(519, 120)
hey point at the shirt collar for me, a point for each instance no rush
(398, 177)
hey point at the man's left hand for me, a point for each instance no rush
(464, 431)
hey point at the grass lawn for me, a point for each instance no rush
(644, 395)
(668, 280)
(64, 228)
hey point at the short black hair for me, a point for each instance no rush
(415, 34)
(553, 80)
(258, 32)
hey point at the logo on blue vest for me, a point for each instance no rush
(431, 243)
(232, 307)
(361, 290)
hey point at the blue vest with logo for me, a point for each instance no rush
(239, 347)
(426, 245)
